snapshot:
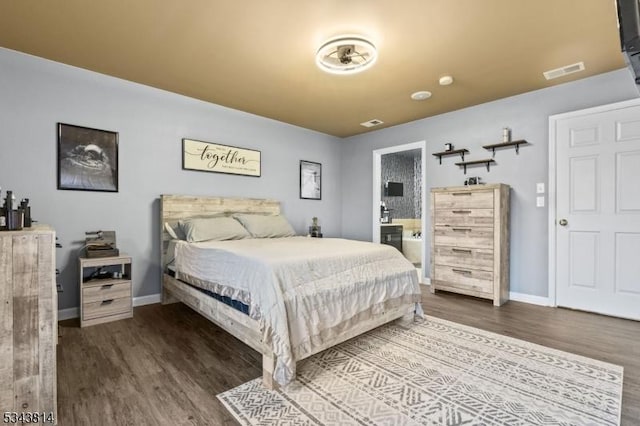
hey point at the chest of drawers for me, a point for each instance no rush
(470, 241)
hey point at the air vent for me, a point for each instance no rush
(562, 71)
(372, 123)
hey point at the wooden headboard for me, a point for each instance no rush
(176, 207)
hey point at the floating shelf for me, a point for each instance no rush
(517, 144)
(464, 164)
(452, 152)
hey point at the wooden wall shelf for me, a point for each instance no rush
(487, 161)
(452, 152)
(517, 144)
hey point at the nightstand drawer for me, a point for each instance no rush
(105, 308)
(464, 199)
(107, 291)
(464, 257)
(464, 217)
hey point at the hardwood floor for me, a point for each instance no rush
(165, 365)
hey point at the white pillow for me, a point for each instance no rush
(263, 226)
(212, 228)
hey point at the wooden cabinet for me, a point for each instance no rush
(28, 321)
(105, 289)
(470, 241)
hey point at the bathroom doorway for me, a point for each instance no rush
(399, 200)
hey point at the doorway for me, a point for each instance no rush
(594, 217)
(413, 228)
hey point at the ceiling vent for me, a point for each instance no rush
(562, 71)
(372, 123)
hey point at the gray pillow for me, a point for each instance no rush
(212, 228)
(266, 226)
(173, 229)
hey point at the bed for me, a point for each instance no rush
(287, 298)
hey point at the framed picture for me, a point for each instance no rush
(211, 157)
(87, 159)
(310, 180)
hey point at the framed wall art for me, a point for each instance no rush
(211, 157)
(310, 180)
(87, 159)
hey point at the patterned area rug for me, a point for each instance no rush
(437, 373)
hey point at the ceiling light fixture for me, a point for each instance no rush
(421, 95)
(445, 80)
(346, 55)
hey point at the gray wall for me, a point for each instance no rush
(35, 94)
(527, 115)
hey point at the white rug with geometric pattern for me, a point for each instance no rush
(437, 373)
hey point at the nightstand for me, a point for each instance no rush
(105, 289)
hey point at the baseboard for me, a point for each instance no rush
(425, 281)
(528, 298)
(70, 313)
(150, 299)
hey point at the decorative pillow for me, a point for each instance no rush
(212, 228)
(262, 226)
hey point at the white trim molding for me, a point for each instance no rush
(529, 298)
(149, 299)
(71, 313)
(377, 184)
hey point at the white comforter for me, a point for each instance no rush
(301, 289)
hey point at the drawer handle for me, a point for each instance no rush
(462, 211)
(460, 193)
(106, 302)
(106, 286)
(461, 271)
(457, 250)
(462, 229)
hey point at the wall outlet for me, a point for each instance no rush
(540, 188)
(539, 201)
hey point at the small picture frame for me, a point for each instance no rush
(87, 159)
(310, 180)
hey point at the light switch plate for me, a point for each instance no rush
(540, 188)
(539, 201)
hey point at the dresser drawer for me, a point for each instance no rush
(464, 217)
(464, 257)
(464, 278)
(463, 199)
(107, 291)
(106, 308)
(467, 237)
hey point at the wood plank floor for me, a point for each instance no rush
(165, 365)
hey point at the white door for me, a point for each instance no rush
(598, 212)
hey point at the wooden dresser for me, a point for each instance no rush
(470, 241)
(28, 321)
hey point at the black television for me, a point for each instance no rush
(393, 189)
(629, 25)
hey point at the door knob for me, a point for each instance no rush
(563, 222)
